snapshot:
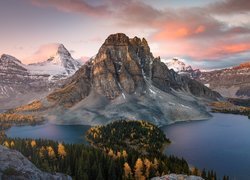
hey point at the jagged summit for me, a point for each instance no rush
(117, 39)
(58, 65)
(181, 68)
(178, 65)
(9, 58)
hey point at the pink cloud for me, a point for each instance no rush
(43, 53)
(193, 32)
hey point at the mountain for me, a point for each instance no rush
(17, 84)
(58, 66)
(20, 83)
(125, 80)
(181, 68)
(231, 82)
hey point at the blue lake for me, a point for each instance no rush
(221, 143)
(61, 133)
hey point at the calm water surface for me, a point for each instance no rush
(221, 143)
(62, 133)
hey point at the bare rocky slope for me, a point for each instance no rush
(177, 177)
(232, 82)
(13, 165)
(125, 80)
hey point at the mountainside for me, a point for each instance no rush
(233, 82)
(20, 83)
(181, 68)
(125, 80)
(17, 84)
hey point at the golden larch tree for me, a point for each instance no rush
(61, 150)
(147, 164)
(139, 170)
(12, 143)
(6, 144)
(33, 143)
(50, 151)
(127, 171)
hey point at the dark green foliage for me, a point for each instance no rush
(139, 136)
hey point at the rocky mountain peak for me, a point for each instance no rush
(62, 50)
(58, 65)
(9, 58)
(117, 39)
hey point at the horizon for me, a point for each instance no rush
(211, 35)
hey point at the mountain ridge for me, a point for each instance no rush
(20, 83)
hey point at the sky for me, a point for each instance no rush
(206, 34)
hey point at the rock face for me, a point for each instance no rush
(19, 83)
(125, 80)
(233, 82)
(13, 165)
(177, 177)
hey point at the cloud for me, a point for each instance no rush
(200, 33)
(230, 7)
(73, 6)
(43, 53)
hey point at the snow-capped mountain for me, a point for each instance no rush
(60, 65)
(177, 65)
(20, 83)
(181, 68)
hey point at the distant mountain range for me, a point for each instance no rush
(124, 80)
(20, 83)
(231, 82)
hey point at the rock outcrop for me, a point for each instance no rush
(177, 177)
(13, 165)
(232, 82)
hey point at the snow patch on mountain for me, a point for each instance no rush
(60, 64)
(21, 83)
(177, 65)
